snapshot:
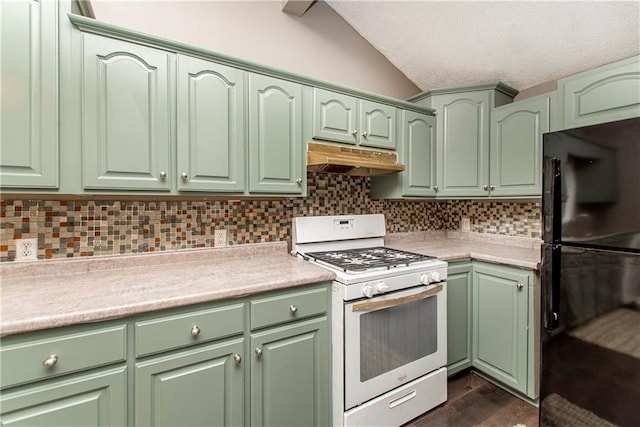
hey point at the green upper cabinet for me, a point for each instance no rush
(377, 125)
(463, 137)
(29, 104)
(335, 117)
(604, 94)
(275, 136)
(500, 324)
(210, 126)
(126, 115)
(463, 143)
(516, 146)
(347, 119)
(417, 151)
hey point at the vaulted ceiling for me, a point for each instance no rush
(521, 43)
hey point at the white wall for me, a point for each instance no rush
(319, 44)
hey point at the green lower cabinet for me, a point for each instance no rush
(500, 323)
(459, 297)
(290, 375)
(86, 400)
(197, 387)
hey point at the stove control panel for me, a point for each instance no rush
(343, 224)
(371, 288)
(427, 278)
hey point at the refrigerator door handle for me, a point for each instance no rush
(551, 258)
(552, 201)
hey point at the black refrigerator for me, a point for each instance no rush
(590, 294)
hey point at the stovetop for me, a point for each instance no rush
(363, 259)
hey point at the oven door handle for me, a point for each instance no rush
(375, 305)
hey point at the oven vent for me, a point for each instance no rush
(350, 161)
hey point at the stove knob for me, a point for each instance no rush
(382, 287)
(367, 291)
(424, 279)
(435, 276)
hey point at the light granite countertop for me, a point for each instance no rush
(457, 246)
(47, 294)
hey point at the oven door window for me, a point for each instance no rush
(392, 339)
(395, 336)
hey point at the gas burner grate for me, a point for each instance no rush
(351, 260)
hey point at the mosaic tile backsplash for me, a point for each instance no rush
(66, 229)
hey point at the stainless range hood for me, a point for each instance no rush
(350, 161)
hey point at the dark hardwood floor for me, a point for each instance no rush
(473, 401)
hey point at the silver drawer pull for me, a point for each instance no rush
(293, 309)
(258, 352)
(195, 331)
(50, 361)
(237, 358)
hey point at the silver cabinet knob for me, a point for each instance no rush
(493, 187)
(258, 352)
(184, 176)
(163, 175)
(299, 181)
(520, 286)
(237, 358)
(365, 134)
(50, 361)
(195, 331)
(293, 309)
(354, 132)
(435, 187)
(485, 187)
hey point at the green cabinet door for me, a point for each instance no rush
(604, 94)
(418, 154)
(459, 297)
(463, 144)
(275, 136)
(87, 400)
(126, 115)
(335, 116)
(29, 101)
(199, 387)
(290, 375)
(516, 146)
(500, 323)
(377, 125)
(417, 151)
(211, 136)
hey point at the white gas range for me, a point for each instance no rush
(389, 320)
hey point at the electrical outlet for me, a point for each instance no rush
(465, 224)
(220, 238)
(26, 249)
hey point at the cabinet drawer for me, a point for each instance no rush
(288, 307)
(60, 354)
(181, 330)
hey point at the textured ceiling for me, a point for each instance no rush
(521, 43)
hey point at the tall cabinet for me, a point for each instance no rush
(29, 82)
